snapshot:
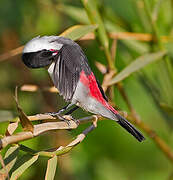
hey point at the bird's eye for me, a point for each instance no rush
(45, 53)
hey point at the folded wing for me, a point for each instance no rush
(69, 63)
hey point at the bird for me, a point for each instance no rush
(71, 74)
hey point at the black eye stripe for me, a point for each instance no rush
(38, 59)
(45, 53)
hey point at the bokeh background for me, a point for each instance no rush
(108, 153)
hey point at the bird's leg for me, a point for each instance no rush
(71, 110)
(67, 115)
(60, 111)
(64, 108)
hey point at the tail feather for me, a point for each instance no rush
(130, 128)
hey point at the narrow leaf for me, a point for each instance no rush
(157, 7)
(167, 108)
(25, 122)
(95, 18)
(74, 12)
(51, 168)
(23, 164)
(4, 174)
(10, 159)
(76, 32)
(79, 15)
(136, 65)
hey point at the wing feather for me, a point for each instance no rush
(69, 62)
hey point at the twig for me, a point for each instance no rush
(33, 88)
(125, 97)
(102, 68)
(128, 36)
(11, 53)
(42, 128)
(65, 149)
(135, 118)
(114, 49)
(107, 78)
(91, 36)
(38, 130)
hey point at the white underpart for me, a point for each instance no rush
(39, 43)
(82, 98)
(50, 70)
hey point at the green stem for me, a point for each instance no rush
(153, 24)
(95, 18)
(45, 153)
(160, 44)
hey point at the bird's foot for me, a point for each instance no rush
(65, 118)
(70, 118)
(54, 114)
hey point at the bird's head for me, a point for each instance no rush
(40, 51)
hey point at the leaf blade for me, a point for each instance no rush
(136, 65)
(77, 31)
(24, 163)
(74, 12)
(10, 159)
(94, 16)
(167, 108)
(51, 168)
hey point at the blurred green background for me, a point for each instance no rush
(108, 153)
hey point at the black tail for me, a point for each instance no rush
(130, 128)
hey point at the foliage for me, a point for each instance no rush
(132, 41)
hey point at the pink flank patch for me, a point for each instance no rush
(90, 82)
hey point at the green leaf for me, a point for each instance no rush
(95, 18)
(74, 12)
(137, 46)
(51, 168)
(156, 10)
(167, 108)
(24, 163)
(79, 15)
(10, 159)
(136, 65)
(76, 32)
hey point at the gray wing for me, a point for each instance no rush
(69, 63)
